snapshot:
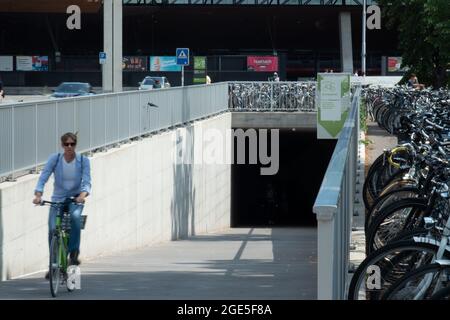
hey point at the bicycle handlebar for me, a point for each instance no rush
(52, 203)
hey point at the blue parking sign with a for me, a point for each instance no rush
(182, 56)
(102, 57)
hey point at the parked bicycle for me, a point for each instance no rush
(406, 195)
(272, 96)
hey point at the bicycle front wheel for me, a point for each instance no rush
(55, 265)
(420, 284)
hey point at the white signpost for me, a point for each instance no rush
(182, 55)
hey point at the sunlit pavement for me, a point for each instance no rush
(242, 263)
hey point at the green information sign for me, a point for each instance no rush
(333, 103)
(199, 70)
(200, 63)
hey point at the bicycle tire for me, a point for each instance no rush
(387, 199)
(379, 176)
(387, 177)
(443, 294)
(370, 181)
(55, 265)
(398, 184)
(395, 260)
(414, 286)
(393, 219)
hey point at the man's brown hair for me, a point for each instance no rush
(69, 135)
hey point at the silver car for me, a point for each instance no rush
(154, 83)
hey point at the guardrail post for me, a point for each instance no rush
(90, 126)
(326, 255)
(56, 125)
(74, 116)
(35, 140)
(104, 121)
(140, 117)
(118, 121)
(11, 177)
(129, 118)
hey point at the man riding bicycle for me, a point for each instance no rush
(72, 174)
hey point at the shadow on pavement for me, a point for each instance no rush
(290, 273)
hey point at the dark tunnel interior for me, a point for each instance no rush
(287, 197)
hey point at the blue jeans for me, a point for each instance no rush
(75, 225)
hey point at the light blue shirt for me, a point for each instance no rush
(83, 177)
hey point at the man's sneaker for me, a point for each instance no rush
(74, 258)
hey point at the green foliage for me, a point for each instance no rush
(424, 36)
(363, 116)
(366, 142)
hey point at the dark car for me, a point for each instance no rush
(72, 89)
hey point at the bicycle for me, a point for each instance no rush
(429, 279)
(58, 261)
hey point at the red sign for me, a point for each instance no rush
(394, 64)
(262, 63)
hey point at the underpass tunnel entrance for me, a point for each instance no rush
(287, 197)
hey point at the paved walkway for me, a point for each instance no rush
(243, 263)
(379, 139)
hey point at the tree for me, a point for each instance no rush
(424, 36)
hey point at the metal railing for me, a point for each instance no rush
(30, 131)
(272, 96)
(334, 207)
(248, 2)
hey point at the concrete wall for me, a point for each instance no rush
(140, 196)
(286, 120)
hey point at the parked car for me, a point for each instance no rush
(146, 84)
(72, 89)
(154, 83)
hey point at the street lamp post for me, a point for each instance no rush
(363, 50)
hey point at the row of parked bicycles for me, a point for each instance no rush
(406, 196)
(272, 96)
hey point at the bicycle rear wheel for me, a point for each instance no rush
(394, 261)
(387, 199)
(420, 284)
(55, 265)
(443, 294)
(399, 216)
